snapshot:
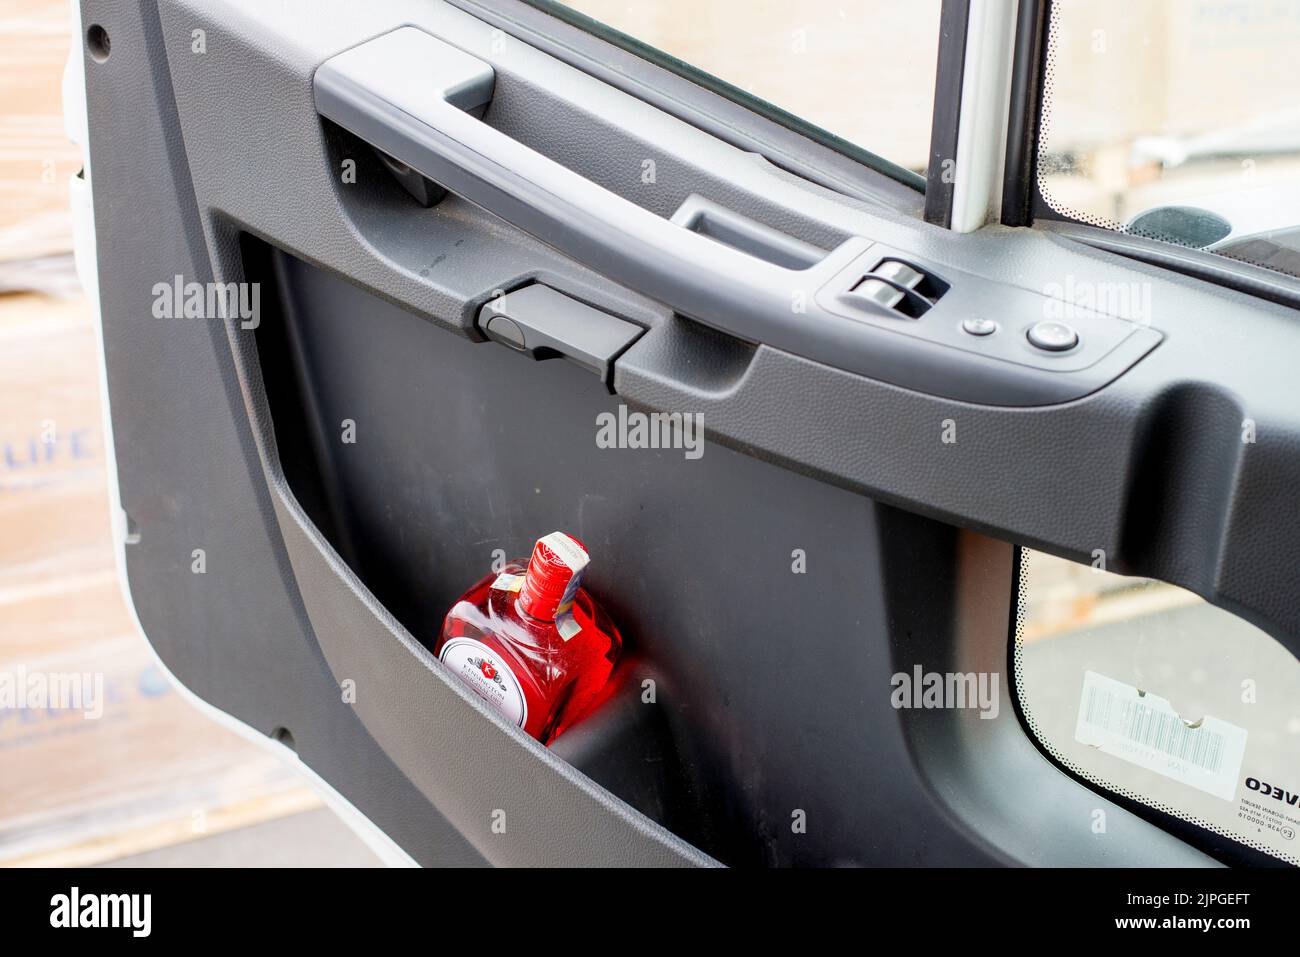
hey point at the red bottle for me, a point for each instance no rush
(531, 641)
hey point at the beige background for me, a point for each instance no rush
(153, 780)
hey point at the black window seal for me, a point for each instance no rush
(625, 68)
(1215, 268)
(721, 87)
(1020, 174)
(950, 72)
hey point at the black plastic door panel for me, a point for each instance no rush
(332, 561)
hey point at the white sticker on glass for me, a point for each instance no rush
(1145, 730)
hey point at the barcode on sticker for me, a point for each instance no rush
(1145, 730)
(1165, 732)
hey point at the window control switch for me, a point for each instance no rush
(879, 292)
(900, 273)
(925, 286)
(897, 301)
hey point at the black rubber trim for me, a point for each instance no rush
(721, 87)
(945, 126)
(1210, 267)
(1023, 119)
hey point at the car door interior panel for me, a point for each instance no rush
(497, 212)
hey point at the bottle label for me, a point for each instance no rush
(508, 582)
(567, 626)
(575, 558)
(488, 676)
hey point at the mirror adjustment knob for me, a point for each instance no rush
(1051, 336)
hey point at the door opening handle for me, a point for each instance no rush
(545, 323)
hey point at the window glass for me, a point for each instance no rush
(1178, 120)
(1146, 690)
(861, 71)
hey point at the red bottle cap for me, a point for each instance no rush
(553, 576)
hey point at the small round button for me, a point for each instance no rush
(979, 327)
(1052, 336)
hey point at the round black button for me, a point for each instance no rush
(1052, 336)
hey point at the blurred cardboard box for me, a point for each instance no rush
(36, 158)
(140, 767)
